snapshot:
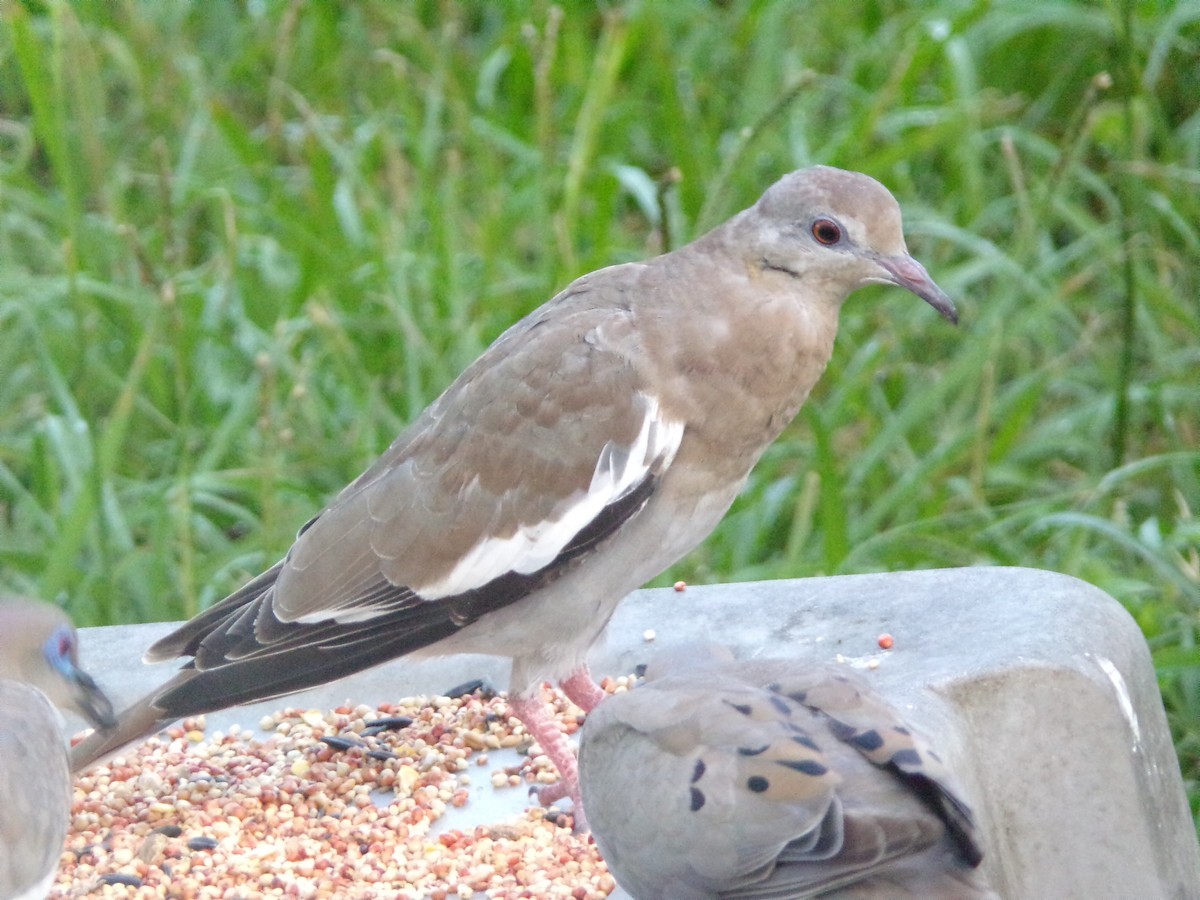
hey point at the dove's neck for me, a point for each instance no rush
(753, 343)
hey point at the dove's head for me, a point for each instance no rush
(838, 231)
(39, 646)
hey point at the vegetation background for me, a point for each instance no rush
(242, 243)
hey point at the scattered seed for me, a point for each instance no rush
(121, 878)
(291, 816)
(387, 723)
(337, 742)
(480, 686)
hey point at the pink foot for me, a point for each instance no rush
(541, 725)
(582, 689)
(549, 794)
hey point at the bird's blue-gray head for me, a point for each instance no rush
(40, 647)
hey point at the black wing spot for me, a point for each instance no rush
(841, 730)
(698, 771)
(805, 741)
(697, 799)
(757, 783)
(906, 757)
(781, 705)
(744, 708)
(805, 766)
(867, 740)
(753, 751)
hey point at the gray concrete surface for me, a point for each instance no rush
(1038, 686)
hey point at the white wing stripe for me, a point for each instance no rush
(618, 471)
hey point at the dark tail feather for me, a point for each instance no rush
(136, 723)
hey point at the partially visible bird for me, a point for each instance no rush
(38, 667)
(771, 779)
(591, 446)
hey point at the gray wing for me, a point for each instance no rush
(525, 465)
(770, 779)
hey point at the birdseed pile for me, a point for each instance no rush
(340, 804)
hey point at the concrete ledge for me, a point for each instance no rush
(1038, 686)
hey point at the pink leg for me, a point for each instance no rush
(541, 725)
(582, 689)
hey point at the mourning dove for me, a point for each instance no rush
(591, 446)
(771, 779)
(38, 667)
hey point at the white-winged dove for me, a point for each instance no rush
(771, 779)
(591, 446)
(38, 666)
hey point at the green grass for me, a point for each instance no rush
(242, 243)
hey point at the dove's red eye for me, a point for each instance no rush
(826, 231)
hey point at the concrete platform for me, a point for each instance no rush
(1039, 687)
